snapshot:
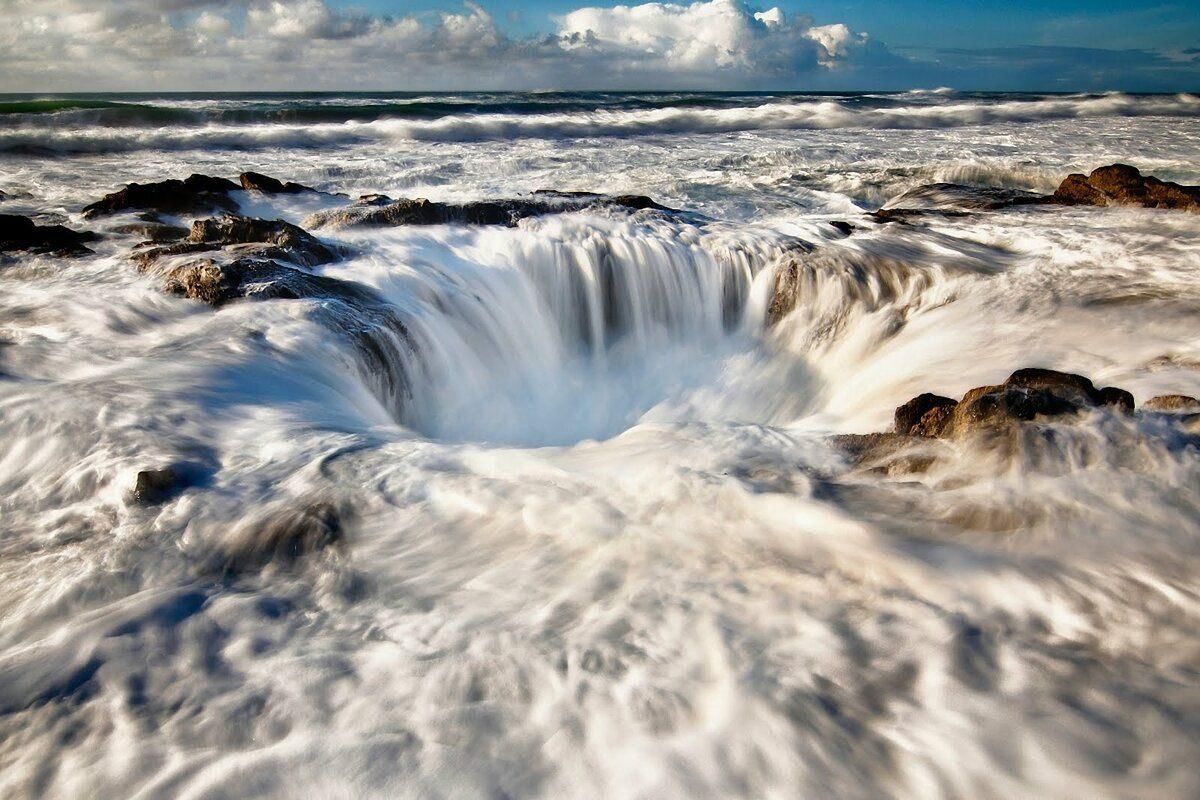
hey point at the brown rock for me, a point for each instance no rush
(911, 417)
(1121, 184)
(785, 294)
(1172, 402)
(257, 182)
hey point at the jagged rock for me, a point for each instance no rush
(218, 283)
(195, 194)
(482, 212)
(914, 418)
(373, 200)
(153, 486)
(1026, 395)
(245, 237)
(257, 182)
(1181, 403)
(1123, 185)
(3, 196)
(22, 233)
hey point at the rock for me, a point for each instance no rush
(911, 417)
(153, 486)
(281, 536)
(1121, 184)
(956, 198)
(3, 196)
(22, 233)
(888, 453)
(196, 194)
(1172, 403)
(154, 232)
(785, 293)
(845, 228)
(1117, 398)
(482, 212)
(373, 200)
(257, 182)
(245, 237)
(1076, 388)
(218, 283)
(994, 407)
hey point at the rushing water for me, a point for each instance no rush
(597, 541)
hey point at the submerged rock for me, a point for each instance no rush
(373, 211)
(154, 232)
(281, 536)
(257, 182)
(195, 194)
(952, 199)
(22, 233)
(888, 453)
(1123, 185)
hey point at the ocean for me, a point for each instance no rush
(562, 507)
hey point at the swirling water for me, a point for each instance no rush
(600, 543)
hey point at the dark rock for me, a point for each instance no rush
(910, 417)
(257, 182)
(22, 233)
(1123, 185)
(1077, 389)
(154, 232)
(195, 194)
(1172, 402)
(994, 407)
(218, 283)
(844, 227)
(154, 486)
(246, 237)
(1117, 398)
(953, 197)
(482, 212)
(373, 200)
(3, 197)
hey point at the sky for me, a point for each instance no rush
(1016, 45)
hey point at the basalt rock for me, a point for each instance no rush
(193, 195)
(924, 415)
(481, 212)
(1026, 395)
(257, 182)
(245, 237)
(1123, 185)
(21, 233)
(1173, 403)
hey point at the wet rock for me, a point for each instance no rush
(843, 227)
(914, 418)
(193, 195)
(481, 212)
(154, 232)
(1117, 398)
(257, 182)
(785, 294)
(217, 283)
(1175, 403)
(3, 196)
(888, 453)
(995, 407)
(373, 200)
(1124, 185)
(154, 486)
(955, 199)
(21, 233)
(246, 237)
(282, 535)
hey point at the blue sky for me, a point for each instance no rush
(1018, 45)
(917, 24)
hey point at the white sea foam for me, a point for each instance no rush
(603, 547)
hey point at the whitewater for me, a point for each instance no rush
(577, 523)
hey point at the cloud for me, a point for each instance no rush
(132, 44)
(62, 45)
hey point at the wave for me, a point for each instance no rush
(432, 122)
